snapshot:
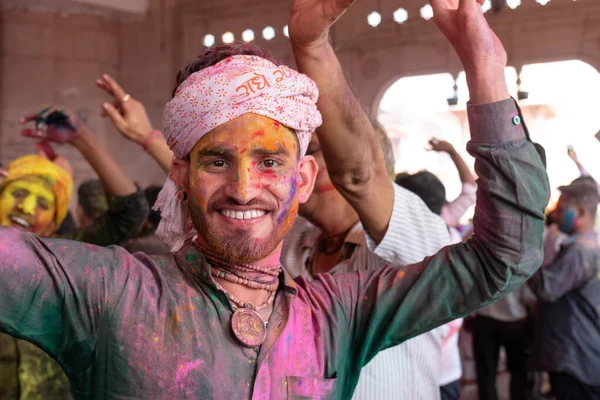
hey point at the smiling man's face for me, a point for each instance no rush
(28, 204)
(245, 184)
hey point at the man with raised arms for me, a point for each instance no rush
(220, 319)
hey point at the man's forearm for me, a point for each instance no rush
(162, 154)
(487, 86)
(113, 178)
(344, 121)
(351, 150)
(504, 251)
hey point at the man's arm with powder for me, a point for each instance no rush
(56, 293)
(350, 147)
(388, 306)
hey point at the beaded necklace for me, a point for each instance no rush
(247, 325)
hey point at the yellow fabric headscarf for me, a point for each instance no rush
(59, 179)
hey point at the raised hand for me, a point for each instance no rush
(52, 125)
(127, 114)
(440, 146)
(479, 49)
(465, 26)
(310, 20)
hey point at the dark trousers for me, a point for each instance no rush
(488, 336)
(566, 387)
(451, 391)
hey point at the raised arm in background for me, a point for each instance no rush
(354, 159)
(128, 208)
(454, 210)
(130, 118)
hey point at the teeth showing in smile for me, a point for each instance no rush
(20, 221)
(250, 214)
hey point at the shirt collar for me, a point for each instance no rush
(311, 235)
(356, 235)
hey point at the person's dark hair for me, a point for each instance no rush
(92, 199)
(151, 193)
(427, 186)
(215, 54)
(68, 226)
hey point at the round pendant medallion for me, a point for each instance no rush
(248, 327)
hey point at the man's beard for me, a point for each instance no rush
(238, 246)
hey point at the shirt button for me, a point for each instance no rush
(516, 120)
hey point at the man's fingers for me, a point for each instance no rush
(104, 86)
(34, 133)
(114, 115)
(29, 118)
(468, 5)
(117, 90)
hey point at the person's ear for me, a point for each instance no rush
(180, 173)
(307, 176)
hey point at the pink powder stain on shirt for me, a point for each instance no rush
(183, 371)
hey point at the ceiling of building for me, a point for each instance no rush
(139, 7)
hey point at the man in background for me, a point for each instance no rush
(567, 339)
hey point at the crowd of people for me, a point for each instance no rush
(284, 257)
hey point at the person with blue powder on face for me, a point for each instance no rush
(567, 340)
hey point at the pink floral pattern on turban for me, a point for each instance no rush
(219, 94)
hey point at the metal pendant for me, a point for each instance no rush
(248, 327)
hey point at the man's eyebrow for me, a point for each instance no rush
(215, 152)
(279, 151)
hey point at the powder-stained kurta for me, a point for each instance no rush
(26, 372)
(133, 327)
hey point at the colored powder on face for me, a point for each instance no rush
(259, 133)
(287, 205)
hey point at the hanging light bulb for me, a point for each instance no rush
(452, 101)
(521, 94)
